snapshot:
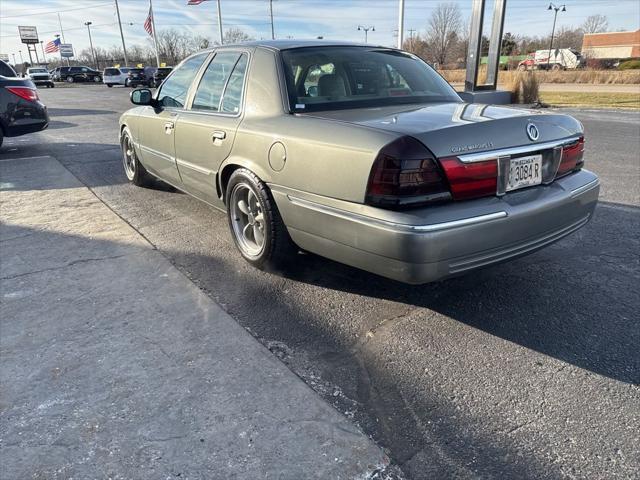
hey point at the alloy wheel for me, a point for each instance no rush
(129, 158)
(247, 219)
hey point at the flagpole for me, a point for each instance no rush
(63, 40)
(220, 23)
(155, 37)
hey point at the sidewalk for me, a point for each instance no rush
(114, 365)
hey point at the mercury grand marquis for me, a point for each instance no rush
(361, 154)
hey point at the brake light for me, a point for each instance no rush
(26, 93)
(405, 173)
(572, 158)
(470, 180)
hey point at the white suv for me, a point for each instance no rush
(115, 76)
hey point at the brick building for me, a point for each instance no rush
(611, 45)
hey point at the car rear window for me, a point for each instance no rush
(136, 70)
(163, 70)
(6, 70)
(111, 71)
(326, 78)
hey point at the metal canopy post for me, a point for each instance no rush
(495, 43)
(475, 42)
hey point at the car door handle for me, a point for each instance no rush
(219, 135)
(168, 128)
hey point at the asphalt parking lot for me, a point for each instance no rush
(525, 370)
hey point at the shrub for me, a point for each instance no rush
(524, 87)
(630, 65)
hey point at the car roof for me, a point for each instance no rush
(290, 44)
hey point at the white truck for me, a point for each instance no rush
(560, 59)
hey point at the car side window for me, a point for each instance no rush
(175, 88)
(213, 81)
(233, 93)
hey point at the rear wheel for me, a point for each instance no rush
(70, 79)
(97, 79)
(133, 169)
(110, 85)
(255, 223)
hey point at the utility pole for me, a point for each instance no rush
(220, 23)
(21, 59)
(273, 35)
(400, 23)
(95, 58)
(366, 31)
(124, 47)
(561, 8)
(62, 32)
(14, 58)
(155, 36)
(411, 32)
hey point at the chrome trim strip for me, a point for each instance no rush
(493, 154)
(195, 168)
(585, 188)
(399, 227)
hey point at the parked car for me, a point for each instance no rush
(159, 75)
(115, 76)
(136, 77)
(21, 110)
(77, 74)
(556, 59)
(361, 154)
(40, 76)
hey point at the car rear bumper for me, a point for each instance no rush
(27, 118)
(428, 244)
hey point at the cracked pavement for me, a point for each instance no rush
(524, 370)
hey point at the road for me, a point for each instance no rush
(525, 370)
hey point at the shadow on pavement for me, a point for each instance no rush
(72, 112)
(554, 301)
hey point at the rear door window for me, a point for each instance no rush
(233, 93)
(173, 92)
(213, 81)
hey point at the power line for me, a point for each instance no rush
(55, 11)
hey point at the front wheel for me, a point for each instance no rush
(110, 85)
(133, 169)
(255, 223)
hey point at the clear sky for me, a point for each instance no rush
(333, 19)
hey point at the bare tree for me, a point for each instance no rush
(442, 31)
(236, 35)
(595, 24)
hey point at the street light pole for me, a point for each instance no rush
(561, 8)
(366, 31)
(124, 47)
(220, 24)
(400, 24)
(95, 58)
(273, 35)
(14, 58)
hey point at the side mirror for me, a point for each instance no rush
(142, 96)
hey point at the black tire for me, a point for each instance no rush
(278, 249)
(133, 169)
(52, 85)
(126, 82)
(1, 137)
(97, 79)
(110, 85)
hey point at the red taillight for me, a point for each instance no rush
(405, 173)
(24, 92)
(571, 158)
(470, 180)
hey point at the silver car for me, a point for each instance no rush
(361, 154)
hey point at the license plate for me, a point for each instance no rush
(524, 172)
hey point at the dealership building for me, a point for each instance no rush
(611, 45)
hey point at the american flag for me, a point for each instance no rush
(148, 23)
(195, 2)
(53, 46)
